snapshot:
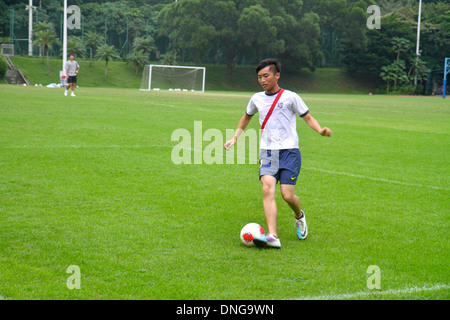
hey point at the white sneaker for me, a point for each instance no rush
(270, 240)
(65, 93)
(302, 228)
(72, 94)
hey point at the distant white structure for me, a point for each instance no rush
(173, 78)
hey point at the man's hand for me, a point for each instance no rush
(326, 132)
(240, 128)
(230, 143)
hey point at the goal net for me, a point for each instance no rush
(173, 78)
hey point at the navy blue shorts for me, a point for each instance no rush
(283, 164)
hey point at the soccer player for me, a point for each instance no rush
(280, 158)
(72, 67)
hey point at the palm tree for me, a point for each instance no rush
(394, 72)
(43, 26)
(138, 59)
(76, 45)
(388, 74)
(92, 40)
(107, 53)
(169, 58)
(46, 39)
(146, 45)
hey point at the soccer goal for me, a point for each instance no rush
(173, 78)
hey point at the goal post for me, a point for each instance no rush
(173, 78)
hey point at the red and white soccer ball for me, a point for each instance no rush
(249, 232)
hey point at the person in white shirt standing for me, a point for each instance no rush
(72, 67)
(280, 158)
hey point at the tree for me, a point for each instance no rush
(43, 26)
(107, 53)
(257, 21)
(46, 39)
(169, 59)
(305, 52)
(138, 59)
(145, 45)
(333, 22)
(388, 74)
(388, 6)
(394, 72)
(396, 38)
(296, 42)
(377, 51)
(92, 40)
(198, 24)
(266, 27)
(435, 33)
(76, 46)
(400, 45)
(419, 68)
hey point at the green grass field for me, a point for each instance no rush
(89, 181)
(123, 75)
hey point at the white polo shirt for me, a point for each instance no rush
(71, 67)
(281, 128)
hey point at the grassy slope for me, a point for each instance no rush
(123, 75)
(120, 74)
(89, 181)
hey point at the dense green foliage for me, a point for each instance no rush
(304, 34)
(3, 67)
(381, 50)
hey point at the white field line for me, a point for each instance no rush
(359, 176)
(385, 127)
(215, 111)
(373, 293)
(203, 109)
(378, 179)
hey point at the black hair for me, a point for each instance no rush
(274, 64)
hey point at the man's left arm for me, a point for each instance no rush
(314, 124)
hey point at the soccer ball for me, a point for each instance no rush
(249, 232)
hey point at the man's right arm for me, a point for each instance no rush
(243, 123)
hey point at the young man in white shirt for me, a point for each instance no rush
(280, 158)
(72, 67)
